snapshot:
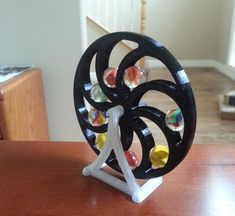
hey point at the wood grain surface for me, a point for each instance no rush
(207, 84)
(45, 178)
(22, 108)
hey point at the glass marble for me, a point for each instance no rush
(134, 76)
(97, 94)
(100, 140)
(174, 120)
(131, 159)
(109, 77)
(159, 155)
(97, 117)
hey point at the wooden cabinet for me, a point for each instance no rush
(22, 108)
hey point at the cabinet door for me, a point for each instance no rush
(22, 107)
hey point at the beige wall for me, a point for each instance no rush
(46, 33)
(194, 30)
(224, 31)
(188, 28)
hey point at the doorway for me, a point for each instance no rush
(231, 59)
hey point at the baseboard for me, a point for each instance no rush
(183, 62)
(226, 70)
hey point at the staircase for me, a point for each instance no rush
(104, 16)
(115, 15)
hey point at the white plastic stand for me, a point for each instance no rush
(131, 187)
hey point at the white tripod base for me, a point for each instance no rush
(130, 186)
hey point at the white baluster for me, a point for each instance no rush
(115, 12)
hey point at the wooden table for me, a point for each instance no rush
(45, 178)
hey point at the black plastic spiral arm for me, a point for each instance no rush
(131, 121)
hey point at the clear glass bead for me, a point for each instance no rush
(97, 117)
(134, 76)
(174, 120)
(109, 77)
(97, 94)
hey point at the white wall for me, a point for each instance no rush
(224, 31)
(192, 29)
(188, 28)
(197, 30)
(46, 33)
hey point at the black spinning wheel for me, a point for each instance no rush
(131, 121)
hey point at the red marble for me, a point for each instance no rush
(131, 158)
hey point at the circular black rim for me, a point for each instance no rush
(130, 122)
